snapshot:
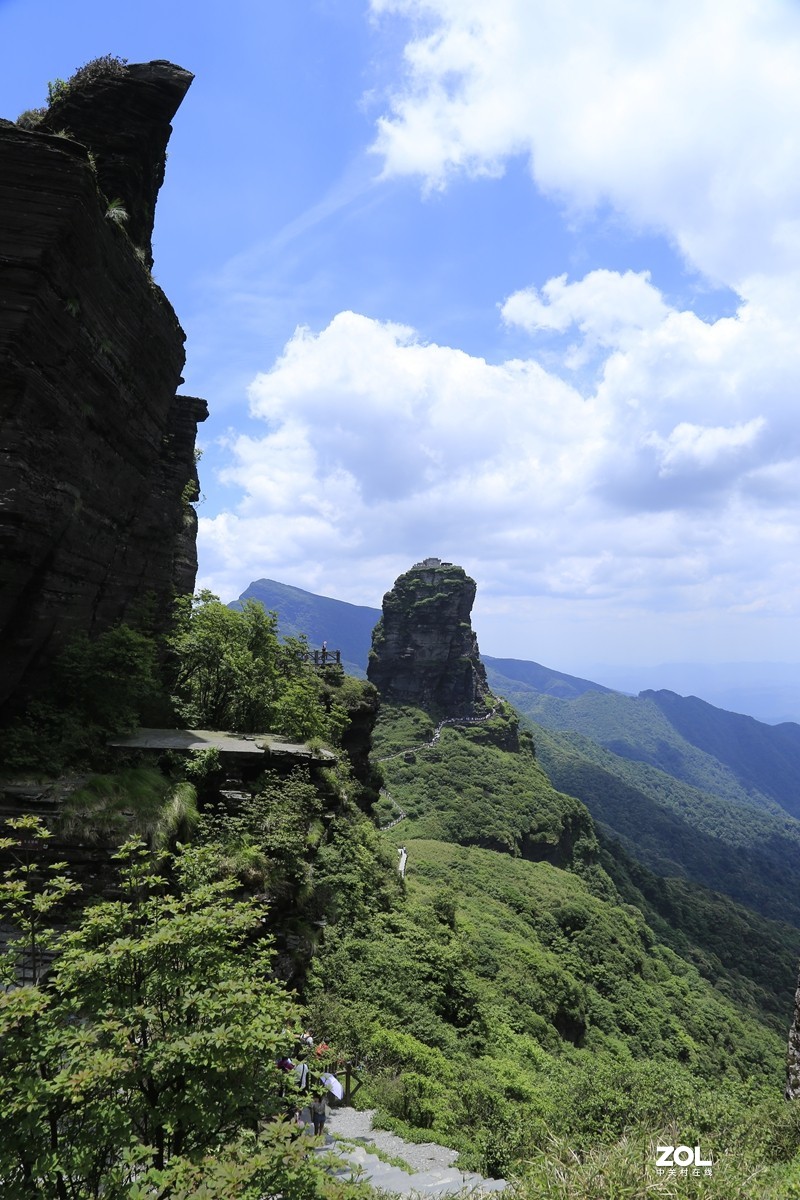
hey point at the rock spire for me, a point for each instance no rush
(424, 651)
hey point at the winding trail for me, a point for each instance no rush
(426, 746)
(437, 733)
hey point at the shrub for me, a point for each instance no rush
(31, 118)
(106, 65)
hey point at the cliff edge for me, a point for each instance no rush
(97, 463)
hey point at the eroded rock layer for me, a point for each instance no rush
(424, 651)
(97, 466)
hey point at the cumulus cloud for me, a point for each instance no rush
(379, 448)
(690, 446)
(603, 304)
(606, 308)
(684, 116)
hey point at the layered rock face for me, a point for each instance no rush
(424, 651)
(97, 466)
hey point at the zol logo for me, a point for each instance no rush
(680, 1156)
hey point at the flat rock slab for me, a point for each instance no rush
(187, 739)
(228, 743)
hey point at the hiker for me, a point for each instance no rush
(307, 1038)
(318, 1113)
(301, 1075)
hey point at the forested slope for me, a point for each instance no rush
(751, 854)
(510, 997)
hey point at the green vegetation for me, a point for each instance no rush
(532, 1016)
(467, 788)
(103, 67)
(750, 960)
(137, 801)
(764, 758)
(32, 894)
(97, 688)
(230, 671)
(502, 1006)
(31, 118)
(635, 728)
(106, 66)
(148, 1060)
(530, 995)
(313, 865)
(117, 212)
(750, 853)
(626, 1170)
(217, 669)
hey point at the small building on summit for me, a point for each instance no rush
(427, 563)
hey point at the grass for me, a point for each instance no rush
(392, 1160)
(626, 1170)
(139, 801)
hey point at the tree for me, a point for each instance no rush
(148, 1060)
(226, 663)
(29, 895)
(231, 671)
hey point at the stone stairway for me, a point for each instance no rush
(433, 1173)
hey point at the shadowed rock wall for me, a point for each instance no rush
(96, 449)
(424, 651)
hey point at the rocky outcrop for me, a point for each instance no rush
(123, 116)
(97, 466)
(792, 1091)
(424, 651)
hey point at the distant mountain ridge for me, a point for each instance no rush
(540, 679)
(739, 741)
(768, 691)
(345, 627)
(348, 628)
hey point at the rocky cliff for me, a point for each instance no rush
(792, 1091)
(424, 651)
(97, 465)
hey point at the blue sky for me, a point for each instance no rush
(516, 285)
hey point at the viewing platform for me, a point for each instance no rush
(325, 657)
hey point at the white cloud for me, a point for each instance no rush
(684, 116)
(369, 403)
(606, 307)
(379, 448)
(690, 446)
